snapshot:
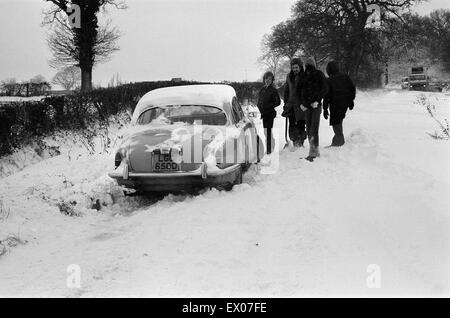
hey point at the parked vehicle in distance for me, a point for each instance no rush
(420, 81)
(185, 138)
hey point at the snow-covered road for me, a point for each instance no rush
(310, 229)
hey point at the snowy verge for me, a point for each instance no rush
(309, 229)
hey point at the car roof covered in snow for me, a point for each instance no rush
(218, 95)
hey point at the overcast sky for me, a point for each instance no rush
(205, 40)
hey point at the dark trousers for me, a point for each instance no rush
(268, 125)
(297, 131)
(338, 139)
(312, 129)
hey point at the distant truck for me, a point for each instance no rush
(418, 80)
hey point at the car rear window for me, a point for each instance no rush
(206, 115)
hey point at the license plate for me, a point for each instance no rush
(163, 163)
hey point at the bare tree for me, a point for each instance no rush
(69, 77)
(36, 86)
(9, 86)
(38, 79)
(83, 46)
(338, 29)
(439, 36)
(115, 80)
(285, 40)
(270, 60)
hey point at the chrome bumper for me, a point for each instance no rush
(123, 172)
(160, 181)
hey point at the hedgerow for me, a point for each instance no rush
(24, 122)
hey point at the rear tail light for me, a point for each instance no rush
(120, 156)
(118, 159)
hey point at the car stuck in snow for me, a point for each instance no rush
(185, 138)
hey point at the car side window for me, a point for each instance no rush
(238, 114)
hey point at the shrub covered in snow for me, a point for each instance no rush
(444, 129)
(9, 242)
(27, 122)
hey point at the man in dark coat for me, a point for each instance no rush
(340, 97)
(313, 91)
(292, 101)
(268, 100)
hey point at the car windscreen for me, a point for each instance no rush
(417, 78)
(206, 115)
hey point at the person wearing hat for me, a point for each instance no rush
(340, 97)
(268, 100)
(313, 91)
(292, 100)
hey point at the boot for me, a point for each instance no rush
(338, 139)
(313, 149)
(302, 139)
(298, 144)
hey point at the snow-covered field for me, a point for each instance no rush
(6, 99)
(310, 229)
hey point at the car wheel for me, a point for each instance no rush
(245, 167)
(224, 187)
(229, 186)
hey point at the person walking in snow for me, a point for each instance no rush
(292, 101)
(268, 100)
(313, 91)
(340, 97)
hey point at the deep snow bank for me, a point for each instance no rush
(308, 229)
